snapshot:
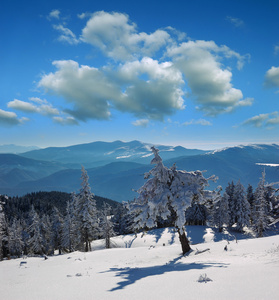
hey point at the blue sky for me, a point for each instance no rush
(201, 74)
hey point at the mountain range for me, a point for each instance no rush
(117, 169)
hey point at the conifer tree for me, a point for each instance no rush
(86, 212)
(242, 207)
(251, 199)
(260, 213)
(36, 240)
(221, 211)
(56, 229)
(106, 225)
(230, 190)
(70, 233)
(16, 244)
(46, 229)
(167, 192)
(2, 229)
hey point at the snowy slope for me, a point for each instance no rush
(143, 268)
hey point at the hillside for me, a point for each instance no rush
(101, 153)
(150, 266)
(119, 179)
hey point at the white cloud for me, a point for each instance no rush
(85, 87)
(54, 14)
(66, 35)
(141, 122)
(137, 83)
(272, 77)
(8, 118)
(145, 88)
(209, 81)
(276, 49)
(202, 122)
(235, 21)
(118, 38)
(43, 108)
(22, 106)
(65, 121)
(262, 120)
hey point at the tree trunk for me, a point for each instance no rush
(184, 242)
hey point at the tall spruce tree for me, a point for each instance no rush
(16, 244)
(260, 212)
(56, 229)
(242, 207)
(36, 240)
(230, 190)
(70, 234)
(86, 213)
(106, 225)
(2, 229)
(167, 192)
(221, 211)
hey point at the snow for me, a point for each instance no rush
(268, 165)
(141, 267)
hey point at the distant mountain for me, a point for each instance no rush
(15, 149)
(119, 178)
(15, 169)
(101, 153)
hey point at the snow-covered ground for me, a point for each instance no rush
(150, 266)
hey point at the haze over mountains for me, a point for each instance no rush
(116, 169)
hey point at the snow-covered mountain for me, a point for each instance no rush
(101, 153)
(119, 177)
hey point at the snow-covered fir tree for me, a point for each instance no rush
(56, 229)
(86, 213)
(15, 240)
(167, 192)
(250, 199)
(2, 229)
(47, 234)
(230, 190)
(106, 225)
(260, 212)
(70, 234)
(122, 220)
(36, 241)
(196, 214)
(221, 211)
(242, 207)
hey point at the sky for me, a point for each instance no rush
(200, 74)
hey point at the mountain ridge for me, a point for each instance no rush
(118, 178)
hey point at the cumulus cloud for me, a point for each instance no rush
(118, 38)
(43, 108)
(22, 106)
(262, 120)
(235, 21)
(209, 81)
(141, 123)
(202, 122)
(148, 73)
(144, 88)
(67, 35)
(272, 77)
(87, 88)
(8, 118)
